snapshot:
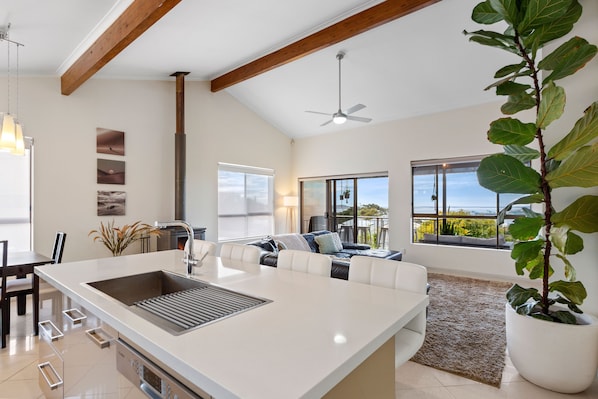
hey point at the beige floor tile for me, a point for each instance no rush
(413, 375)
(424, 393)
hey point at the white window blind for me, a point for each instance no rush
(245, 202)
(15, 198)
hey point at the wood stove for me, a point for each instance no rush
(176, 237)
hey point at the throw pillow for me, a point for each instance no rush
(328, 243)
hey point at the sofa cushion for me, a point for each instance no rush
(311, 240)
(292, 241)
(267, 244)
(329, 243)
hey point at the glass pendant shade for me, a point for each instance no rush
(20, 142)
(8, 136)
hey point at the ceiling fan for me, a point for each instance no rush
(340, 117)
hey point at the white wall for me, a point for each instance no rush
(392, 146)
(64, 128)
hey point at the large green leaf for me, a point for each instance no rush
(526, 228)
(579, 170)
(555, 29)
(581, 215)
(504, 174)
(572, 290)
(483, 13)
(566, 241)
(552, 105)
(510, 69)
(509, 88)
(519, 102)
(507, 9)
(526, 251)
(524, 154)
(568, 58)
(528, 199)
(540, 12)
(585, 130)
(517, 295)
(511, 131)
(570, 273)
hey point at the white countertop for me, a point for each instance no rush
(315, 331)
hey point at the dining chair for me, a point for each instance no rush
(306, 262)
(47, 291)
(401, 276)
(201, 248)
(58, 247)
(240, 252)
(11, 288)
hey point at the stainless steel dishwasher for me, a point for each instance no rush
(149, 377)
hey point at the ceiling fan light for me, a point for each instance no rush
(339, 119)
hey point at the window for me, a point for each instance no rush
(354, 206)
(245, 202)
(449, 207)
(15, 198)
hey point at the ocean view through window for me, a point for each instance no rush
(449, 207)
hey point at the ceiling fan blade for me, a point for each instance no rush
(320, 113)
(326, 123)
(355, 108)
(358, 119)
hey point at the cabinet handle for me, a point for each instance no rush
(74, 315)
(95, 334)
(42, 369)
(49, 328)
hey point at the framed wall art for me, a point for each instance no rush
(111, 172)
(110, 141)
(111, 203)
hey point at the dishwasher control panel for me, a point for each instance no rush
(149, 377)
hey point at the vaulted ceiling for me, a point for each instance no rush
(415, 64)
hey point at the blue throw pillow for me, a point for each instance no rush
(329, 243)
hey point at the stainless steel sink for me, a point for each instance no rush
(176, 303)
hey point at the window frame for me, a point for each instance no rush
(247, 171)
(29, 152)
(442, 214)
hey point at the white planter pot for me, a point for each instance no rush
(555, 356)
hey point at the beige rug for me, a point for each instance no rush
(465, 333)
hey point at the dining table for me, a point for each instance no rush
(20, 264)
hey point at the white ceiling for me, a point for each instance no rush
(416, 65)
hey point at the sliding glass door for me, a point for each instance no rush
(355, 207)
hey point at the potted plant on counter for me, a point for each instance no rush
(550, 341)
(117, 239)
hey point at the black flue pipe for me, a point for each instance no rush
(180, 148)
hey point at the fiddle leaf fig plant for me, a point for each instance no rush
(546, 237)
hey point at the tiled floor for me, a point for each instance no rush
(19, 375)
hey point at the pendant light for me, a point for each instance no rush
(11, 135)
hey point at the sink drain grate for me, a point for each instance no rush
(197, 306)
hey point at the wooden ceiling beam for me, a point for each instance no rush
(135, 20)
(343, 30)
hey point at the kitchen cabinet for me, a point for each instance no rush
(77, 355)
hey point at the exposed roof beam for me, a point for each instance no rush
(135, 20)
(345, 29)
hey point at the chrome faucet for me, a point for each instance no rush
(189, 258)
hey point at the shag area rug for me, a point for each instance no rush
(465, 333)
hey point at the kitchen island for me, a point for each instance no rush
(308, 342)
